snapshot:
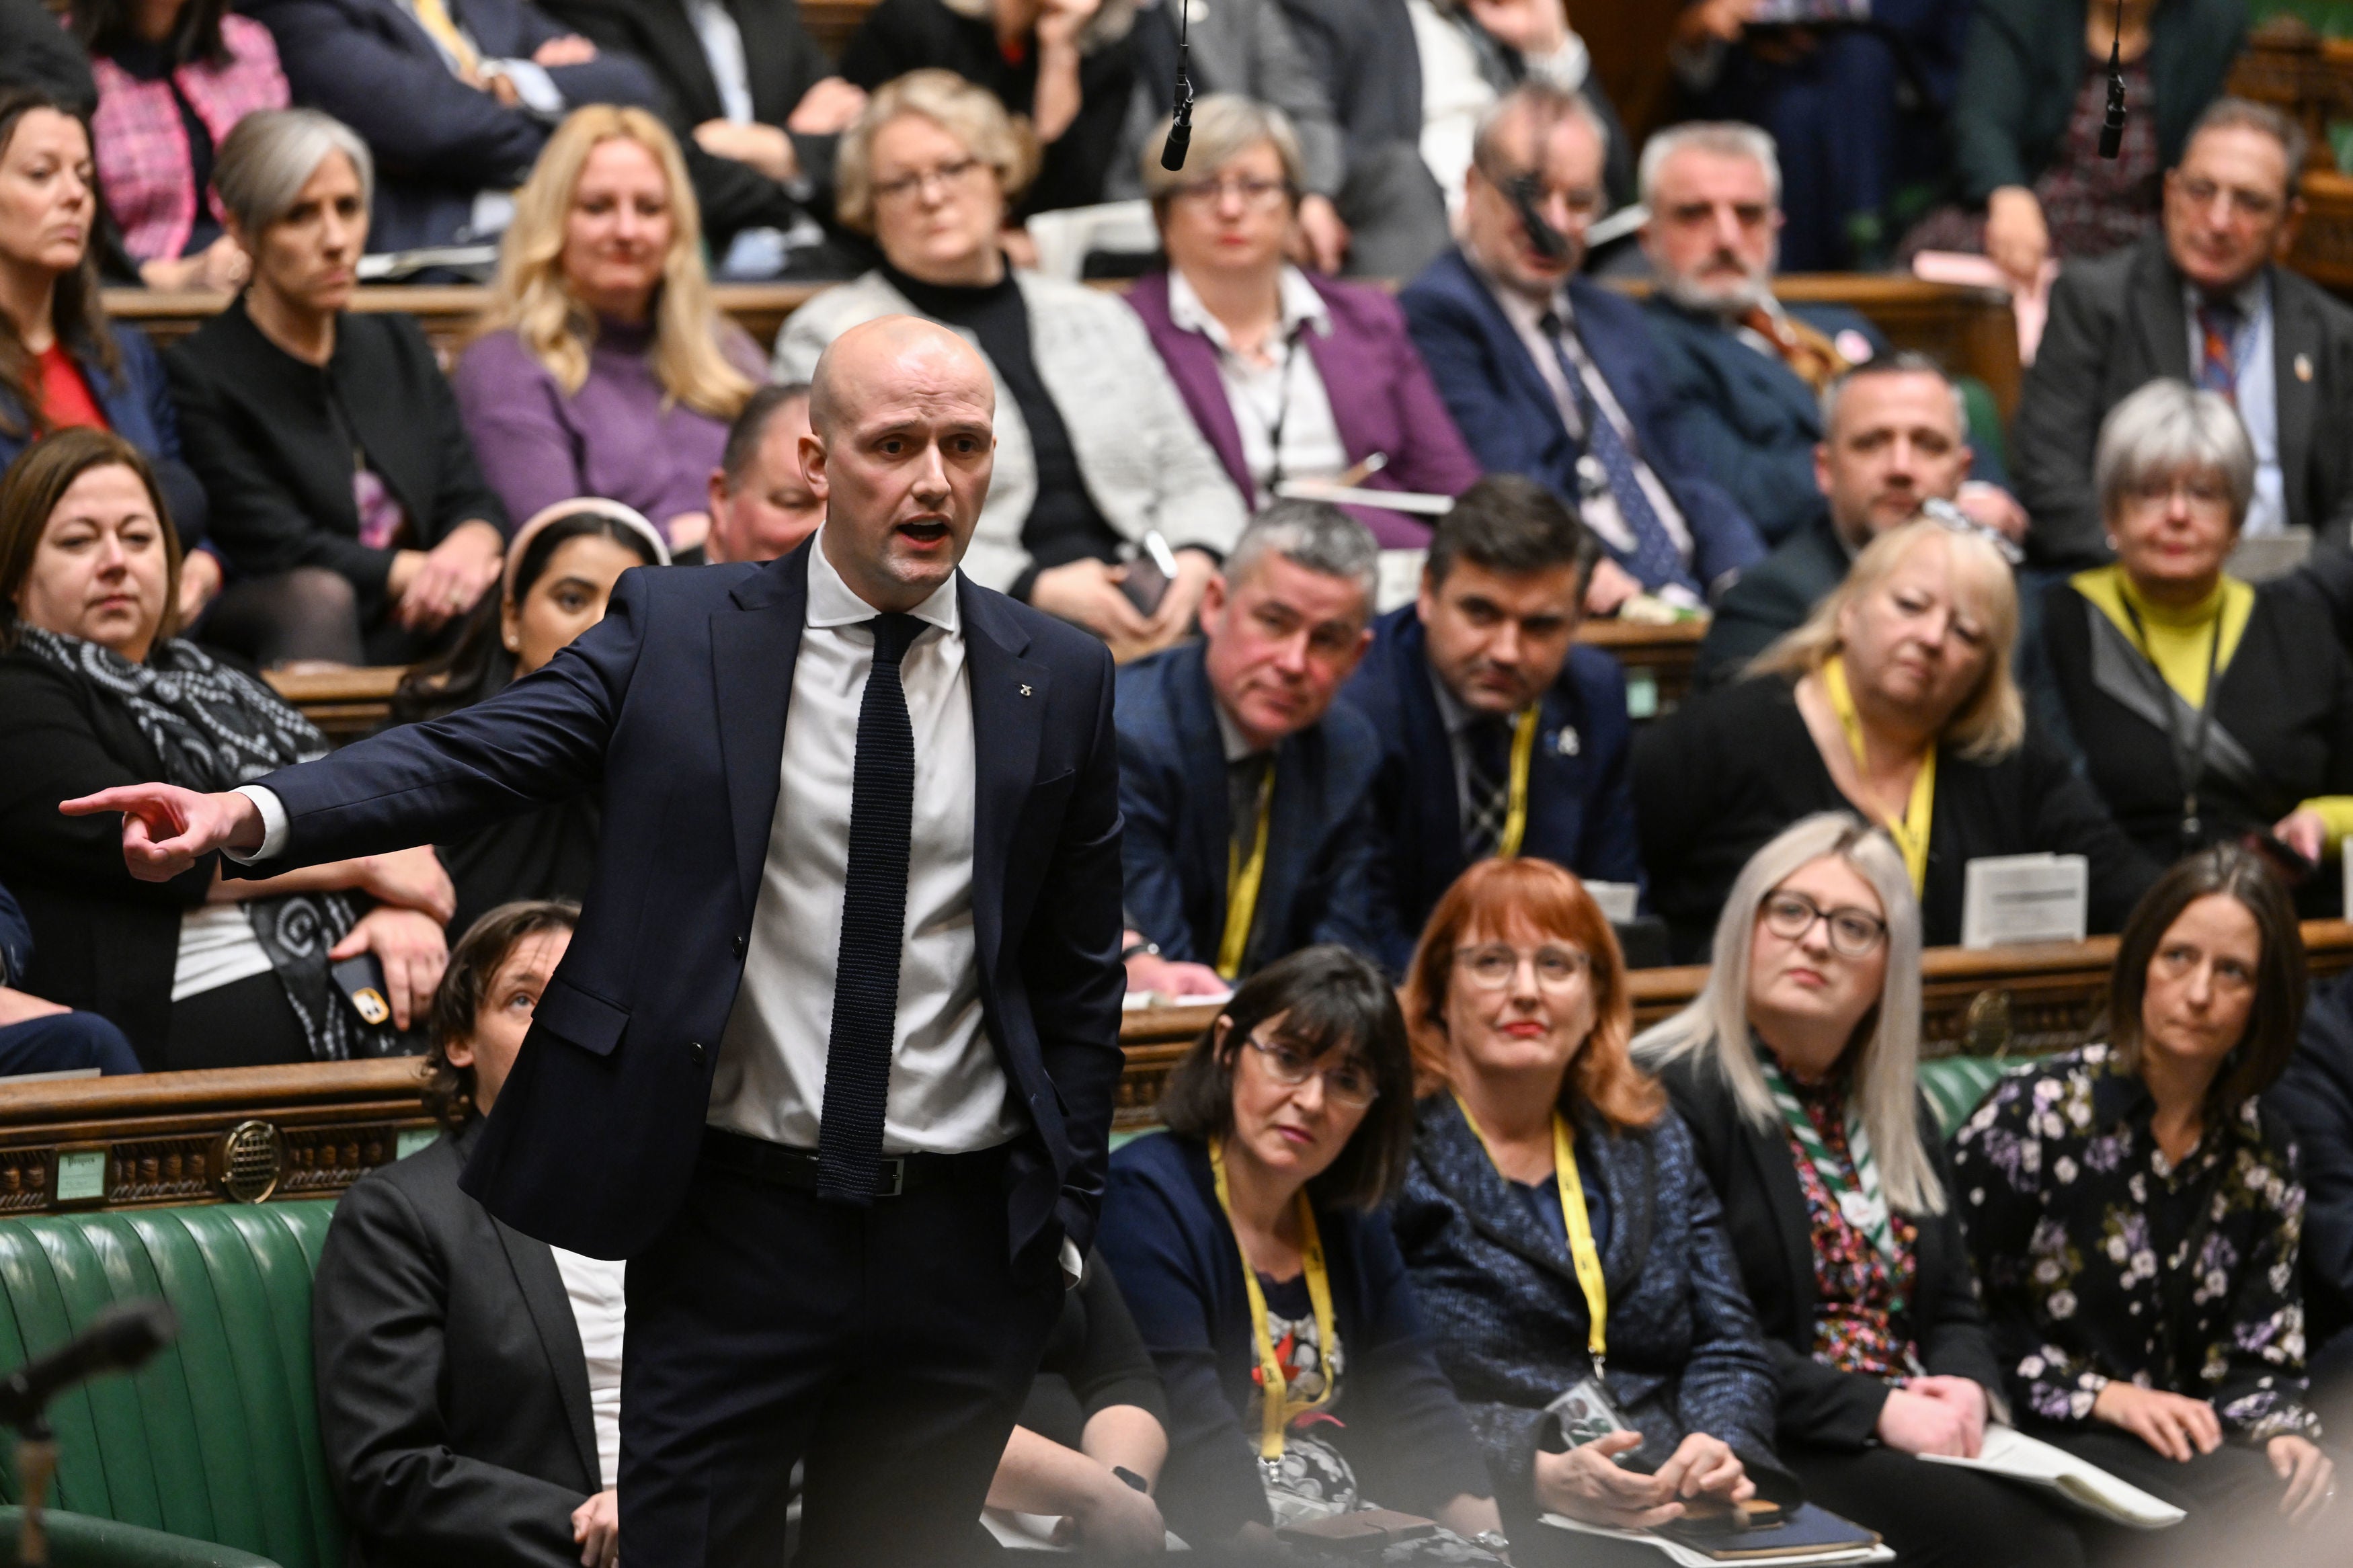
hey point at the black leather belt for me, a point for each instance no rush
(756, 1158)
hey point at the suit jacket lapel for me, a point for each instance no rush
(1769, 1152)
(1457, 1163)
(1503, 339)
(2297, 333)
(1010, 693)
(1429, 755)
(1204, 747)
(2164, 323)
(753, 649)
(550, 1306)
(1296, 827)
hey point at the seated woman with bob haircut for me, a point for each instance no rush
(1894, 700)
(1795, 1070)
(1542, 1144)
(2134, 1210)
(1250, 1241)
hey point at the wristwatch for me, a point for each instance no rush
(1146, 948)
(1493, 1540)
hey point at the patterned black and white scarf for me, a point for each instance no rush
(215, 727)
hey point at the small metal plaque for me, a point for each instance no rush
(413, 1138)
(81, 1175)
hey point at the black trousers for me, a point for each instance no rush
(1938, 1517)
(2232, 1497)
(886, 1349)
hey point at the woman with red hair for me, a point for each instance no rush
(1568, 1253)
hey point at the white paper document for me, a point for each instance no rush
(1688, 1557)
(2024, 897)
(2013, 1454)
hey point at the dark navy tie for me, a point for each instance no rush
(1654, 559)
(873, 926)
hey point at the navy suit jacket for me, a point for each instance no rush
(1580, 795)
(1505, 409)
(1320, 881)
(671, 712)
(436, 141)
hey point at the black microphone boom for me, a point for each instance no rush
(120, 1340)
(1180, 123)
(2112, 133)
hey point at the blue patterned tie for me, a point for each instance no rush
(2218, 367)
(873, 926)
(1653, 558)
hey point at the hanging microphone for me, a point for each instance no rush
(2112, 133)
(1549, 242)
(1180, 124)
(119, 1340)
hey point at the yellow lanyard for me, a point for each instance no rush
(1515, 814)
(1243, 878)
(1910, 831)
(1581, 1250)
(1278, 1408)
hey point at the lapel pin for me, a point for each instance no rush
(1566, 743)
(2304, 367)
(1025, 692)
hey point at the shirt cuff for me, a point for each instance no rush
(1073, 1264)
(532, 84)
(273, 824)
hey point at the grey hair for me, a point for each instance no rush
(1903, 362)
(271, 154)
(1225, 126)
(1714, 1030)
(1726, 138)
(1311, 534)
(2165, 427)
(2246, 114)
(1548, 104)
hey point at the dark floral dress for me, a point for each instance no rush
(1857, 1291)
(2102, 1260)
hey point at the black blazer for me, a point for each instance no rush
(261, 430)
(1771, 599)
(1720, 775)
(2118, 323)
(672, 712)
(1764, 1213)
(782, 63)
(453, 1393)
(102, 940)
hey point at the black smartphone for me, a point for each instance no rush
(361, 981)
(1150, 574)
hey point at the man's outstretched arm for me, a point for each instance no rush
(167, 829)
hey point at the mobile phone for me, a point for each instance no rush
(361, 980)
(1150, 574)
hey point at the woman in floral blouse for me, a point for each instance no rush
(2134, 1212)
(1794, 1071)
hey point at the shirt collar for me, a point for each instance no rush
(832, 604)
(1302, 306)
(1457, 715)
(2252, 299)
(1236, 746)
(1525, 314)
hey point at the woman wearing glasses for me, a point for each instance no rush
(1094, 447)
(1793, 1070)
(1289, 376)
(2134, 1212)
(1542, 1146)
(2205, 709)
(1250, 1243)
(1894, 700)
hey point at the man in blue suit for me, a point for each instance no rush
(1549, 375)
(1247, 793)
(1499, 734)
(830, 1058)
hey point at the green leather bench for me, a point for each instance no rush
(217, 1440)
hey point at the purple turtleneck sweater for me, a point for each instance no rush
(612, 438)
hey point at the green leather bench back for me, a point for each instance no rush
(76, 1541)
(217, 1437)
(1956, 1085)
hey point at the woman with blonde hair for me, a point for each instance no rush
(1540, 1146)
(600, 366)
(1893, 700)
(1794, 1070)
(1094, 448)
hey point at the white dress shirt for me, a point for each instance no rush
(947, 1094)
(1285, 398)
(601, 1312)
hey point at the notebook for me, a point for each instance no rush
(1811, 1536)
(2013, 1454)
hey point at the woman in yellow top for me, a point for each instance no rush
(1895, 699)
(2205, 709)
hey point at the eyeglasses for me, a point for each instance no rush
(2244, 204)
(1255, 195)
(1578, 205)
(1349, 1085)
(947, 175)
(1854, 932)
(1495, 966)
(2203, 494)
(2177, 962)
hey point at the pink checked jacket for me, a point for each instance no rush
(144, 166)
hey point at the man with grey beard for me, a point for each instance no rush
(1745, 373)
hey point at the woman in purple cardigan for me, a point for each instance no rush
(1289, 376)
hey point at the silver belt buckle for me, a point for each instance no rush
(893, 1171)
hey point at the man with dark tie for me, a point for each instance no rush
(2202, 301)
(1246, 793)
(831, 1059)
(1499, 735)
(1550, 376)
